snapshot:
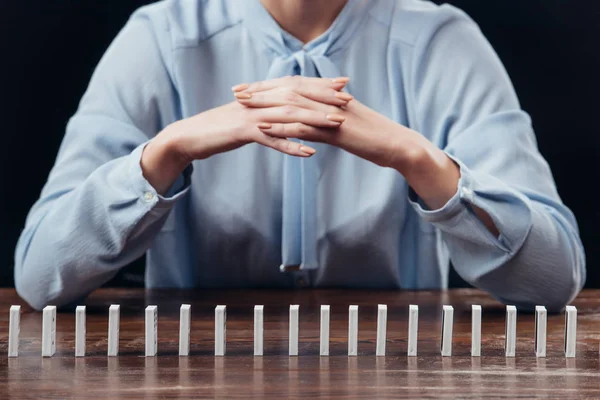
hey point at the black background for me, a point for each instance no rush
(49, 48)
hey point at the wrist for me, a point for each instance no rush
(172, 141)
(163, 161)
(431, 173)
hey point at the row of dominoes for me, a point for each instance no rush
(151, 330)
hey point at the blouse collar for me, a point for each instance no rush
(264, 28)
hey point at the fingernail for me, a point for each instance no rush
(336, 118)
(344, 96)
(307, 150)
(342, 79)
(240, 87)
(243, 96)
(264, 125)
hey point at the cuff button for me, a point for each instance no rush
(148, 196)
(467, 194)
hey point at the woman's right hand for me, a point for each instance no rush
(233, 125)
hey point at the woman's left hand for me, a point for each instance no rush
(367, 134)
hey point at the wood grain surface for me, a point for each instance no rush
(276, 375)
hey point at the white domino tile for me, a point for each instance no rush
(353, 330)
(14, 328)
(413, 329)
(49, 331)
(114, 320)
(293, 334)
(151, 331)
(510, 338)
(324, 337)
(80, 331)
(540, 331)
(258, 330)
(475, 331)
(381, 329)
(447, 325)
(220, 330)
(184, 329)
(570, 331)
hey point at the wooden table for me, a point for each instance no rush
(276, 375)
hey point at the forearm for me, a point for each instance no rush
(433, 175)
(74, 243)
(536, 256)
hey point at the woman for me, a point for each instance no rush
(400, 145)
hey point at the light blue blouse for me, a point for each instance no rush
(332, 220)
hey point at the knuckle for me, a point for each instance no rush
(274, 145)
(288, 110)
(290, 97)
(303, 130)
(278, 144)
(278, 129)
(287, 146)
(271, 141)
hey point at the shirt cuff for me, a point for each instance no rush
(147, 193)
(509, 209)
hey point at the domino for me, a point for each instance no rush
(49, 331)
(540, 331)
(151, 331)
(381, 329)
(80, 331)
(324, 339)
(413, 329)
(258, 330)
(14, 328)
(220, 330)
(475, 331)
(570, 331)
(510, 337)
(447, 324)
(293, 344)
(353, 330)
(114, 318)
(184, 329)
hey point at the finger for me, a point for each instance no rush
(281, 97)
(311, 96)
(285, 146)
(299, 131)
(324, 95)
(291, 81)
(289, 114)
